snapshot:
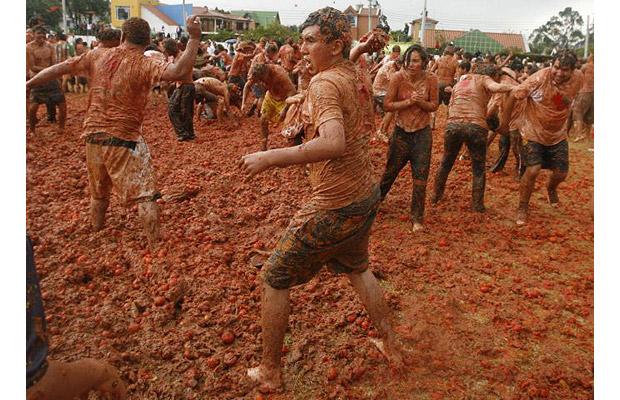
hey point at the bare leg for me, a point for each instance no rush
(67, 381)
(525, 192)
(32, 117)
(149, 214)
(275, 310)
(62, 115)
(556, 178)
(367, 287)
(264, 125)
(98, 208)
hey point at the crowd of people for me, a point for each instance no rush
(322, 93)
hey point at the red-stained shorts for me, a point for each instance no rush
(315, 238)
(117, 165)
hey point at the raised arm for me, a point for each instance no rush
(495, 87)
(185, 63)
(50, 73)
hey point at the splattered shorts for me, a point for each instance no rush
(314, 238)
(548, 157)
(122, 165)
(47, 93)
(272, 108)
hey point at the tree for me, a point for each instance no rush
(48, 10)
(272, 31)
(77, 10)
(560, 32)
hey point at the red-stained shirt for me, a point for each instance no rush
(336, 94)
(468, 104)
(120, 80)
(546, 106)
(413, 118)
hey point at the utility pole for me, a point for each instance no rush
(369, 13)
(64, 16)
(184, 14)
(422, 29)
(585, 52)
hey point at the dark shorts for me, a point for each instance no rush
(548, 157)
(47, 93)
(444, 97)
(82, 80)
(335, 238)
(205, 97)
(259, 91)
(36, 336)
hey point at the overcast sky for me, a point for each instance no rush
(487, 15)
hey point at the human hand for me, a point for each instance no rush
(192, 25)
(252, 164)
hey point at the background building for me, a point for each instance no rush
(358, 18)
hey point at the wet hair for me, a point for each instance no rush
(396, 48)
(79, 41)
(137, 31)
(516, 65)
(567, 58)
(333, 25)
(184, 39)
(272, 48)
(259, 69)
(532, 68)
(109, 34)
(196, 74)
(170, 47)
(449, 50)
(289, 41)
(39, 29)
(151, 47)
(418, 49)
(467, 56)
(62, 36)
(488, 70)
(465, 65)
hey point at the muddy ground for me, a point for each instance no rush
(488, 310)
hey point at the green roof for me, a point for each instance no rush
(475, 40)
(262, 18)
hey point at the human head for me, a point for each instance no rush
(271, 51)
(289, 41)
(333, 28)
(262, 41)
(467, 56)
(326, 39)
(136, 31)
(396, 49)
(170, 47)
(489, 70)
(260, 70)
(411, 61)
(184, 40)
(40, 34)
(465, 67)
(449, 51)
(62, 36)
(110, 37)
(563, 66)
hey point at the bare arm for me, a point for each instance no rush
(49, 73)
(328, 145)
(185, 64)
(504, 118)
(246, 92)
(495, 87)
(390, 103)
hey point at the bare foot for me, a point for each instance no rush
(391, 352)
(554, 200)
(416, 227)
(521, 216)
(268, 381)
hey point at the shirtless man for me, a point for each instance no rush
(219, 99)
(268, 56)
(548, 94)
(334, 226)
(286, 56)
(583, 108)
(445, 69)
(40, 55)
(116, 154)
(467, 123)
(181, 102)
(239, 71)
(81, 82)
(276, 81)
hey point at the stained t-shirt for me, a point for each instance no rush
(382, 80)
(470, 97)
(414, 118)
(546, 106)
(335, 94)
(119, 80)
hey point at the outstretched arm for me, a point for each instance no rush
(49, 73)
(328, 145)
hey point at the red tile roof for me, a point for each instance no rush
(434, 38)
(166, 19)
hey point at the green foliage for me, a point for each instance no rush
(51, 10)
(560, 32)
(221, 36)
(272, 31)
(41, 8)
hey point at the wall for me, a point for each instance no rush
(155, 23)
(134, 9)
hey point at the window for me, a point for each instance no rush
(122, 13)
(240, 26)
(352, 20)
